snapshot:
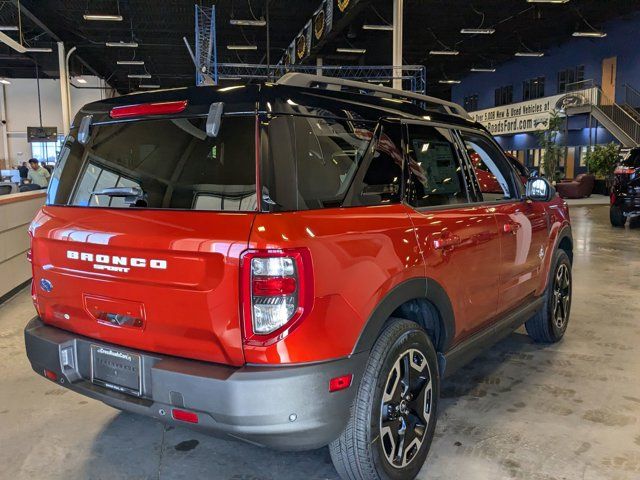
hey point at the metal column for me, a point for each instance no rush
(4, 126)
(64, 82)
(398, 8)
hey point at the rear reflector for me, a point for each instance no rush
(270, 286)
(144, 109)
(184, 416)
(340, 383)
(53, 376)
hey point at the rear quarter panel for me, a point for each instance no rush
(358, 254)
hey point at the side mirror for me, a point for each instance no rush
(539, 189)
(214, 119)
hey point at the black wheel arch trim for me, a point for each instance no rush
(412, 289)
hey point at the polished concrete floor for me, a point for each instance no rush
(521, 411)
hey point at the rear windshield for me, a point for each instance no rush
(160, 164)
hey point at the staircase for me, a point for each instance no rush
(623, 121)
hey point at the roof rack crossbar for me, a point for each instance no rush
(308, 81)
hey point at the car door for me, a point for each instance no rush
(522, 224)
(458, 239)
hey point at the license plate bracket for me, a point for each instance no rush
(116, 369)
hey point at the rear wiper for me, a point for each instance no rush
(132, 195)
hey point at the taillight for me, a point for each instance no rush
(624, 170)
(277, 292)
(143, 109)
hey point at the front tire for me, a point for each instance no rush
(393, 416)
(550, 323)
(616, 216)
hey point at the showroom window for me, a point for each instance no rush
(47, 151)
(533, 88)
(569, 77)
(504, 95)
(471, 103)
(435, 176)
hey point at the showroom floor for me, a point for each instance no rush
(521, 411)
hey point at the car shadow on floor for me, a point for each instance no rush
(133, 446)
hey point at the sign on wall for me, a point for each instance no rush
(531, 115)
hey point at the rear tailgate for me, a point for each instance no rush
(161, 281)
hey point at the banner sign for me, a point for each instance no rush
(531, 115)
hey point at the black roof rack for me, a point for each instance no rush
(340, 84)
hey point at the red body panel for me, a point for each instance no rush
(468, 269)
(359, 254)
(188, 309)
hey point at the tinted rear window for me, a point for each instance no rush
(311, 161)
(172, 162)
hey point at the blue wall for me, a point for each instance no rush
(622, 41)
(526, 141)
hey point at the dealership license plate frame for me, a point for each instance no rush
(99, 378)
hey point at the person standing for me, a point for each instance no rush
(38, 174)
(24, 171)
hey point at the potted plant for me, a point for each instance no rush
(602, 161)
(553, 152)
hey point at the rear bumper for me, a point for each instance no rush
(253, 403)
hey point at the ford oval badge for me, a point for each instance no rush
(46, 285)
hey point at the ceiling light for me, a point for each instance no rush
(351, 50)
(38, 50)
(9, 28)
(529, 54)
(122, 44)
(444, 52)
(483, 70)
(248, 23)
(478, 31)
(547, 1)
(102, 18)
(590, 34)
(148, 86)
(4, 81)
(229, 77)
(139, 75)
(242, 47)
(386, 28)
(130, 62)
(80, 80)
(449, 82)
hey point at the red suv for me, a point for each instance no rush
(293, 265)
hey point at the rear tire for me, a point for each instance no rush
(393, 416)
(549, 324)
(616, 216)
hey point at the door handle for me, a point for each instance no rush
(448, 242)
(511, 227)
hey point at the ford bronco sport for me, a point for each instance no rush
(293, 265)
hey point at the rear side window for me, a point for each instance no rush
(435, 175)
(169, 163)
(311, 161)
